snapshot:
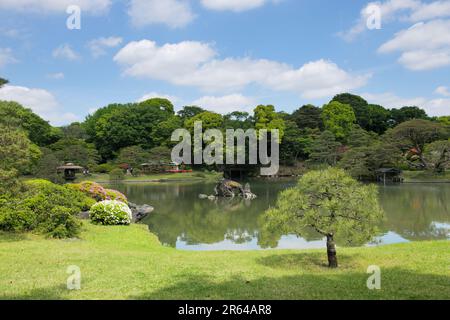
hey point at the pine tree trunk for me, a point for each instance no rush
(331, 251)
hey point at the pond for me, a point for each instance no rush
(414, 212)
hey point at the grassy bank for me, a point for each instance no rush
(426, 176)
(189, 176)
(129, 263)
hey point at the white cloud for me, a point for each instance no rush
(173, 13)
(98, 46)
(40, 101)
(65, 51)
(6, 57)
(56, 76)
(233, 5)
(152, 95)
(438, 107)
(424, 46)
(443, 91)
(390, 100)
(192, 63)
(399, 10)
(55, 6)
(433, 107)
(226, 104)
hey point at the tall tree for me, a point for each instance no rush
(338, 118)
(333, 204)
(308, 116)
(358, 104)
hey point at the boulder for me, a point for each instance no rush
(140, 211)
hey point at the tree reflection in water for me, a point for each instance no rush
(414, 212)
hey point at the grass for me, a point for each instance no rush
(130, 263)
(189, 176)
(426, 176)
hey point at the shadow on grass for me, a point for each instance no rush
(332, 285)
(12, 236)
(51, 293)
(306, 261)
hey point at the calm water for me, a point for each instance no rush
(414, 212)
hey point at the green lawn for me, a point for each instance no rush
(189, 176)
(129, 263)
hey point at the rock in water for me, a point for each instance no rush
(229, 189)
(140, 211)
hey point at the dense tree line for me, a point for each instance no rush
(347, 132)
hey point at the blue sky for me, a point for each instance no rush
(223, 54)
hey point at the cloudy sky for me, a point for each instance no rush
(224, 55)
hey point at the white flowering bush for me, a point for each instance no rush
(111, 212)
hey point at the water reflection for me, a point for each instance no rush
(182, 220)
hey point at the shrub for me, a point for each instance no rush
(91, 189)
(115, 195)
(104, 168)
(44, 207)
(199, 175)
(111, 212)
(116, 175)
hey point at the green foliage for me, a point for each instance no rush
(133, 156)
(16, 153)
(362, 161)
(437, 155)
(189, 112)
(110, 212)
(338, 118)
(116, 175)
(45, 208)
(325, 149)
(46, 166)
(329, 202)
(39, 131)
(404, 114)
(210, 120)
(104, 168)
(160, 154)
(266, 118)
(119, 126)
(375, 119)
(413, 135)
(76, 151)
(358, 104)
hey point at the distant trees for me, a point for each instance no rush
(407, 113)
(332, 204)
(437, 155)
(325, 149)
(118, 126)
(413, 135)
(39, 131)
(189, 112)
(308, 116)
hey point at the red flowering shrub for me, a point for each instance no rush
(115, 195)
